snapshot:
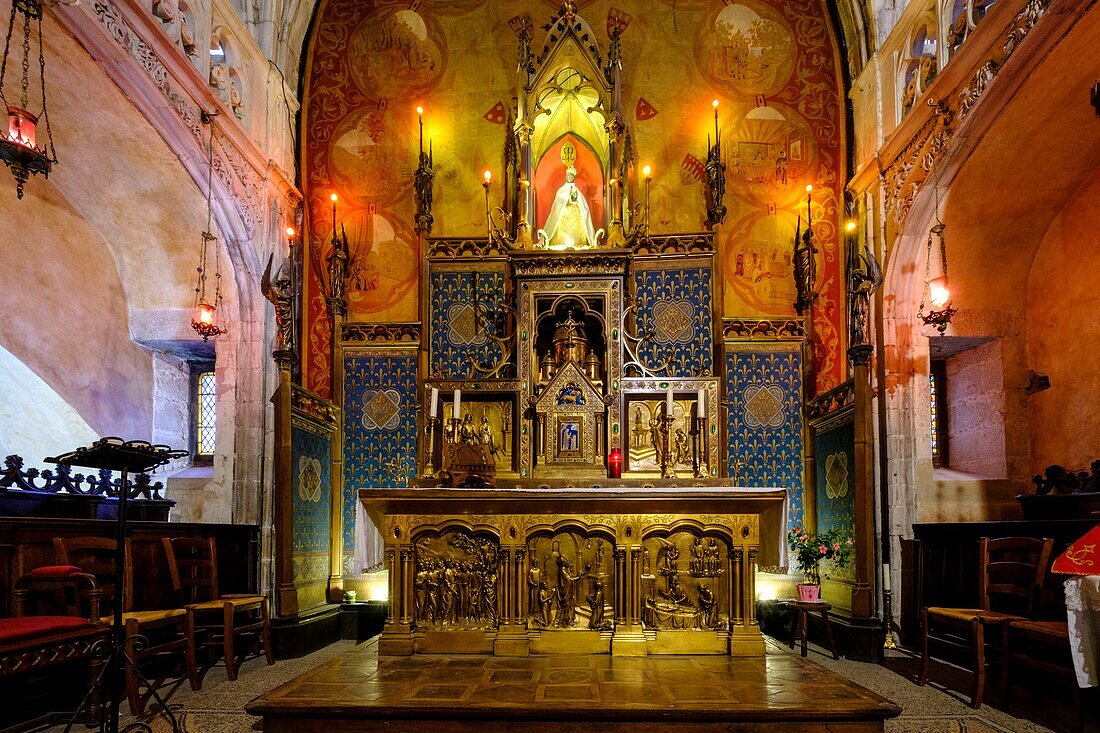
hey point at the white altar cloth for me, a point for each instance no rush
(1083, 605)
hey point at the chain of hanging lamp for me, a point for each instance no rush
(18, 145)
(205, 319)
(939, 314)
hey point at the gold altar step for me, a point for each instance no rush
(777, 692)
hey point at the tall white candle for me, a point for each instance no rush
(458, 404)
(668, 402)
(434, 411)
(886, 577)
(701, 401)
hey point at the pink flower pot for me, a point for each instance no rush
(809, 592)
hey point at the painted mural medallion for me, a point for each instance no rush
(384, 266)
(372, 154)
(763, 406)
(772, 155)
(836, 475)
(758, 263)
(381, 409)
(395, 52)
(746, 47)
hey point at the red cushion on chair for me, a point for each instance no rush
(30, 627)
(56, 571)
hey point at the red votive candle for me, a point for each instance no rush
(615, 463)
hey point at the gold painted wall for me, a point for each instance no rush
(772, 64)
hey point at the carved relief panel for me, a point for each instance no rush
(456, 581)
(570, 581)
(685, 581)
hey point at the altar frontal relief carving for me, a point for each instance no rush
(455, 582)
(570, 582)
(685, 582)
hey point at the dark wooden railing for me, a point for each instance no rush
(59, 492)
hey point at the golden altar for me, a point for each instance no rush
(624, 570)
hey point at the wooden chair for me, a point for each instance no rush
(1038, 645)
(1011, 576)
(193, 565)
(164, 632)
(31, 643)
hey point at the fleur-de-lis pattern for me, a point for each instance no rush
(835, 498)
(464, 312)
(370, 454)
(769, 454)
(312, 517)
(677, 305)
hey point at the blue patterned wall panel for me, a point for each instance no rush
(676, 304)
(834, 480)
(311, 504)
(764, 426)
(459, 326)
(379, 427)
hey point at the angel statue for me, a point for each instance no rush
(281, 292)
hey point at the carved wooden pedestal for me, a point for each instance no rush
(559, 571)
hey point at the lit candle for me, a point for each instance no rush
(809, 212)
(457, 404)
(668, 402)
(333, 198)
(290, 232)
(435, 403)
(886, 577)
(420, 115)
(488, 178)
(21, 127)
(701, 401)
(647, 172)
(715, 103)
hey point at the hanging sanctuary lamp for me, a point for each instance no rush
(19, 145)
(205, 320)
(936, 288)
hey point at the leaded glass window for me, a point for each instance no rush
(206, 401)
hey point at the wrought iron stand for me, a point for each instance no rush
(114, 454)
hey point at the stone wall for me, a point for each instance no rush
(1063, 330)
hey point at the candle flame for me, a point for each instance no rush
(333, 198)
(809, 187)
(715, 104)
(420, 111)
(851, 225)
(647, 171)
(290, 231)
(488, 176)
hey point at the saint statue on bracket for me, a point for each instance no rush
(569, 224)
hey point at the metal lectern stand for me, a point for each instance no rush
(135, 456)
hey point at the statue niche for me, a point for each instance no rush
(570, 408)
(569, 222)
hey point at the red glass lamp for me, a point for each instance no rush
(615, 463)
(19, 144)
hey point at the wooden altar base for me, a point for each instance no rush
(433, 693)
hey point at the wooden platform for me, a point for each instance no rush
(778, 692)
